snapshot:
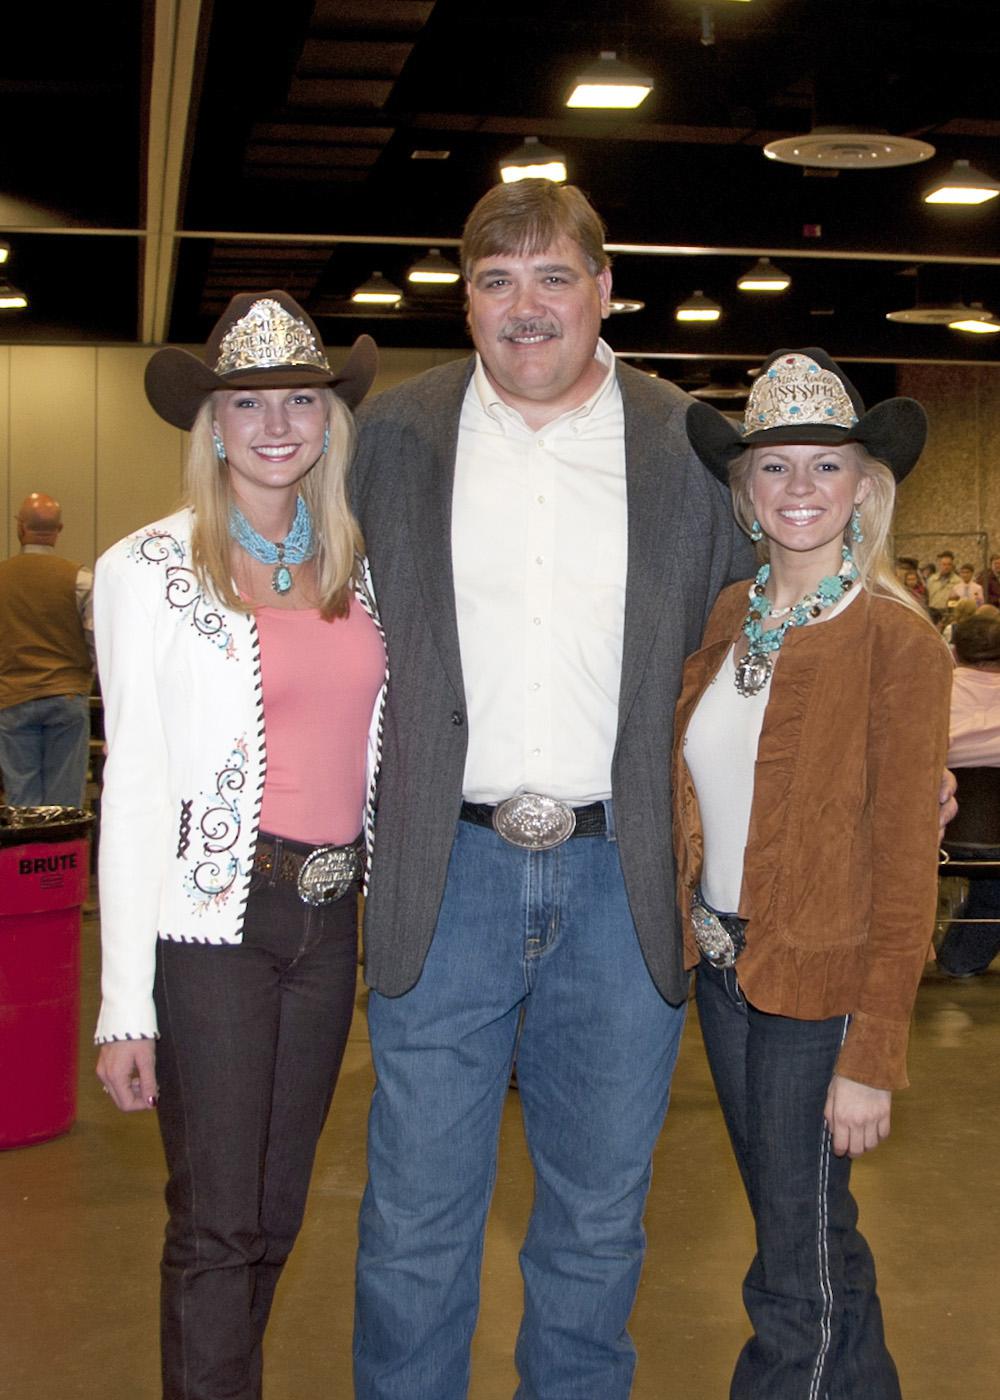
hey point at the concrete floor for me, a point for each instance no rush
(83, 1215)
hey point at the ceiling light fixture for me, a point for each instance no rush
(849, 148)
(533, 161)
(620, 305)
(11, 298)
(609, 83)
(926, 313)
(962, 185)
(4, 250)
(377, 291)
(434, 269)
(764, 277)
(698, 307)
(975, 320)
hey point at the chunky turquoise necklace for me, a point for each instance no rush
(297, 546)
(754, 669)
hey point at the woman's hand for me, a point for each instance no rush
(857, 1115)
(127, 1069)
(947, 802)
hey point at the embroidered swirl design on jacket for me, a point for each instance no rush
(182, 590)
(213, 878)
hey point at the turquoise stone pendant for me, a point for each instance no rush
(281, 579)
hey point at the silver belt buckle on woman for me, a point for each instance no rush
(322, 875)
(720, 937)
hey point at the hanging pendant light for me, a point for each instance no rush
(698, 307)
(533, 161)
(962, 185)
(377, 291)
(11, 298)
(609, 83)
(764, 277)
(434, 269)
(975, 321)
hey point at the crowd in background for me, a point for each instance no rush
(950, 593)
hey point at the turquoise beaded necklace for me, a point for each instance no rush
(296, 548)
(754, 669)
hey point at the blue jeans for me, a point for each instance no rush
(251, 1040)
(44, 746)
(542, 941)
(810, 1290)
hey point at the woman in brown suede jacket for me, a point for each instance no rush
(805, 786)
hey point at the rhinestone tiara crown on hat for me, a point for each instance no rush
(793, 390)
(268, 337)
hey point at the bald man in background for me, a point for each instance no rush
(46, 664)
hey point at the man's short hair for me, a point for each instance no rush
(527, 217)
(947, 554)
(977, 639)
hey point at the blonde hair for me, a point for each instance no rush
(873, 553)
(324, 490)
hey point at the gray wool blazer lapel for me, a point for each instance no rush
(430, 481)
(656, 448)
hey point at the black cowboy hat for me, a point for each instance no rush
(803, 396)
(263, 340)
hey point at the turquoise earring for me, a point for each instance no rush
(756, 533)
(220, 447)
(326, 440)
(856, 535)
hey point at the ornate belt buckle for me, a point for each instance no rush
(533, 822)
(328, 873)
(714, 940)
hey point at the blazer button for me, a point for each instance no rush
(456, 717)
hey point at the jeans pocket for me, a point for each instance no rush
(726, 979)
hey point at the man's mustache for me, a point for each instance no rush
(510, 330)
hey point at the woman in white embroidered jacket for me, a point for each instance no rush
(243, 670)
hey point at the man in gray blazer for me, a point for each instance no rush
(545, 549)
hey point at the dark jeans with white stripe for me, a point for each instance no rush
(810, 1290)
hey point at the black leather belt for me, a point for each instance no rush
(590, 820)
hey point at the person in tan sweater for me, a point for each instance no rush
(805, 784)
(46, 664)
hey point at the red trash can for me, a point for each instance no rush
(44, 870)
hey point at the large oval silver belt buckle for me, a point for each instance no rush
(328, 873)
(533, 822)
(714, 940)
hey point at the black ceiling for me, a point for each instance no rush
(157, 157)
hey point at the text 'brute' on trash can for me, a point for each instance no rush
(44, 868)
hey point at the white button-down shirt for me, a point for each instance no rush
(539, 544)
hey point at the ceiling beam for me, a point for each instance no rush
(175, 43)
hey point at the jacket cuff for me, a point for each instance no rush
(874, 1052)
(115, 1023)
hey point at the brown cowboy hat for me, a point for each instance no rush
(803, 396)
(263, 340)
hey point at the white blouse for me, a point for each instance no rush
(720, 749)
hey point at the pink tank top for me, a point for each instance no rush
(320, 681)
